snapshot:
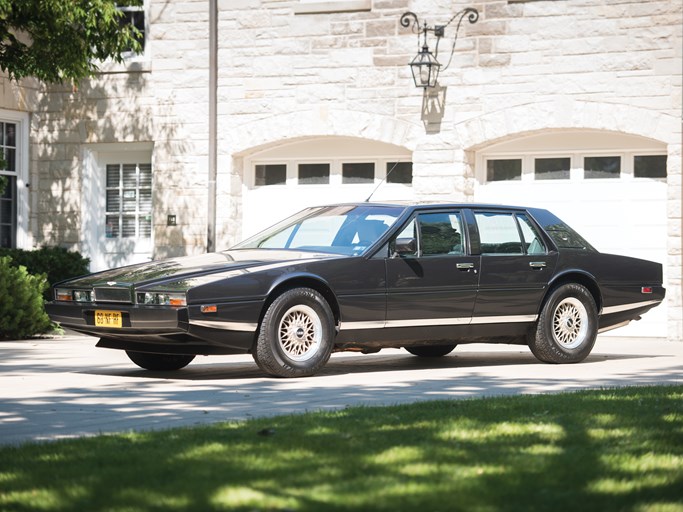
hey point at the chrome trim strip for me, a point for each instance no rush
(426, 322)
(625, 307)
(511, 319)
(228, 326)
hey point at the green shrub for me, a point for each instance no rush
(56, 263)
(21, 302)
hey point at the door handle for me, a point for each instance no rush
(537, 265)
(464, 266)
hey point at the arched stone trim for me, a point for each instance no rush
(323, 122)
(566, 114)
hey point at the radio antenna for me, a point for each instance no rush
(383, 180)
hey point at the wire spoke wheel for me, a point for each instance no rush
(300, 332)
(570, 323)
(567, 326)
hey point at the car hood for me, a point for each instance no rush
(176, 269)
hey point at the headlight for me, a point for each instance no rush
(162, 299)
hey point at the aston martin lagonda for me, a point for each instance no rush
(367, 276)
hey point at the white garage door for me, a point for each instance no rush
(611, 188)
(282, 180)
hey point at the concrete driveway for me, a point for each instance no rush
(65, 387)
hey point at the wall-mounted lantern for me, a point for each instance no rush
(425, 66)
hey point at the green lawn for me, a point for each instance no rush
(599, 450)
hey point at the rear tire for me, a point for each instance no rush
(431, 350)
(296, 335)
(159, 362)
(567, 326)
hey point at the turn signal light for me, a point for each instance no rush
(212, 308)
(63, 294)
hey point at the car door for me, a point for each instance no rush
(516, 267)
(434, 283)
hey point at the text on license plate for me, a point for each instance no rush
(108, 318)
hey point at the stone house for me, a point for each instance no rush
(239, 112)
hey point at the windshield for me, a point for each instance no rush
(345, 229)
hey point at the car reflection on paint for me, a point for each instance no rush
(368, 276)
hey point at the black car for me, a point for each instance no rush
(364, 277)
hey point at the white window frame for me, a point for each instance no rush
(95, 244)
(23, 238)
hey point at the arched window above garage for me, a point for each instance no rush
(573, 156)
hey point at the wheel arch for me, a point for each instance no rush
(302, 281)
(579, 277)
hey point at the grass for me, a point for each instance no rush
(608, 450)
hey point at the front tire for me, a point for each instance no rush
(431, 350)
(296, 335)
(567, 326)
(159, 362)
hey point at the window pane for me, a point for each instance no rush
(532, 240)
(601, 167)
(358, 173)
(272, 174)
(130, 175)
(10, 158)
(498, 233)
(441, 233)
(650, 166)
(504, 170)
(128, 227)
(113, 201)
(145, 201)
(129, 200)
(400, 172)
(113, 175)
(314, 174)
(552, 168)
(145, 175)
(112, 229)
(10, 135)
(8, 213)
(145, 227)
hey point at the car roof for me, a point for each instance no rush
(431, 204)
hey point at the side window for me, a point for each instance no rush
(441, 233)
(498, 233)
(532, 240)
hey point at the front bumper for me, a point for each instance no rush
(159, 329)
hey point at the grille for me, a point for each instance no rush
(113, 295)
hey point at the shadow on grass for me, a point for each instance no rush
(601, 450)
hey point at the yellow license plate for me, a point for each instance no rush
(108, 319)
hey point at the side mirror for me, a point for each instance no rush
(405, 246)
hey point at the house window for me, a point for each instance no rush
(504, 170)
(552, 168)
(601, 167)
(8, 169)
(271, 174)
(358, 172)
(314, 174)
(128, 201)
(400, 172)
(649, 166)
(133, 15)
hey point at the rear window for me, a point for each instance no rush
(566, 238)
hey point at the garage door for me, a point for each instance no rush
(610, 187)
